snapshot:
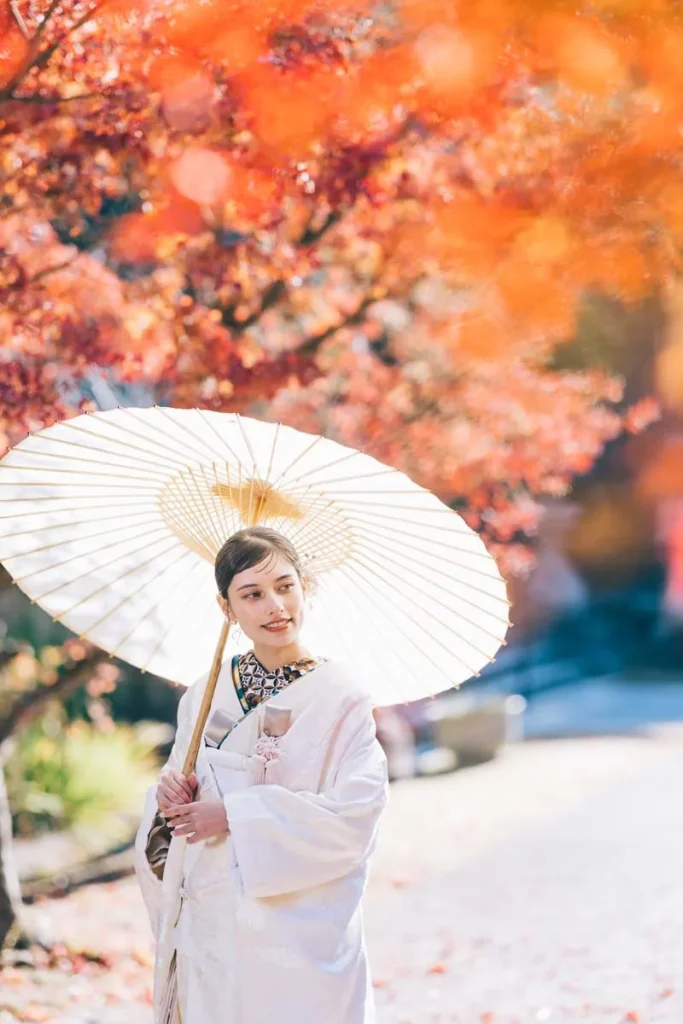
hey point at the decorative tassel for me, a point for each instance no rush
(257, 770)
(170, 1007)
(266, 750)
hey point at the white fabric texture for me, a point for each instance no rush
(267, 921)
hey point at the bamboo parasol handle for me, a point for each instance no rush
(193, 749)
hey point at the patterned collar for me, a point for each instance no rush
(258, 683)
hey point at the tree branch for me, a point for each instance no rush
(27, 707)
(313, 343)
(271, 297)
(55, 99)
(45, 56)
(51, 270)
(313, 235)
(16, 13)
(46, 18)
(41, 59)
(277, 289)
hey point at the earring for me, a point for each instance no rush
(236, 631)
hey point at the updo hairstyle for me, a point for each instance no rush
(250, 547)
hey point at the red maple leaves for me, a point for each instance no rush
(380, 227)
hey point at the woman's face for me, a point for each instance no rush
(268, 602)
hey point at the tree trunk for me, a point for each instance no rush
(10, 890)
(23, 711)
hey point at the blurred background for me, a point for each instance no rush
(449, 236)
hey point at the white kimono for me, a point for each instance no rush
(266, 922)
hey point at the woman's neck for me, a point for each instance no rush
(275, 657)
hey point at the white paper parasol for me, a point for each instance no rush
(111, 521)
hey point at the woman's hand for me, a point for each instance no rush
(174, 789)
(202, 820)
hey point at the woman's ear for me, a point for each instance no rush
(308, 585)
(223, 605)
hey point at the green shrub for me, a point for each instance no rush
(64, 776)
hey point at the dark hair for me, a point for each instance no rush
(250, 547)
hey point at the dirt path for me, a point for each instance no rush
(544, 886)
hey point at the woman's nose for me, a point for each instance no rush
(274, 603)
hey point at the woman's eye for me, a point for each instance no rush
(286, 586)
(255, 594)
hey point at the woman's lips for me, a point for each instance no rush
(277, 627)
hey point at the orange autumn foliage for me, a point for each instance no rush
(582, 53)
(14, 50)
(377, 222)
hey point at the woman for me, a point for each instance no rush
(259, 908)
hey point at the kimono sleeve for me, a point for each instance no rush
(286, 841)
(149, 884)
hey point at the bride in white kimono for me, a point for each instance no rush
(259, 909)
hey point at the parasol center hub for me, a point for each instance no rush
(203, 505)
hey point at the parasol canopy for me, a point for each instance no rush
(111, 521)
